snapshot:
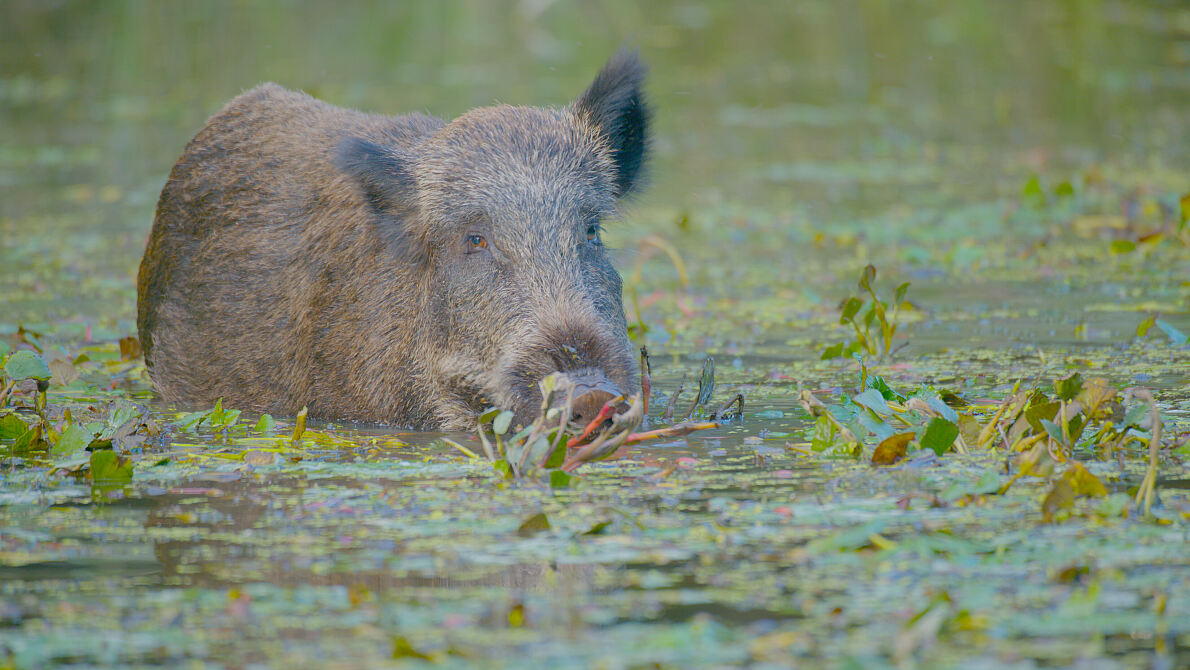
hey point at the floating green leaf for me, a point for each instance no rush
(1032, 193)
(1068, 387)
(121, 413)
(191, 421)
(503, 468)
(12, 426)
(31, 440)
(403, 648)
(560, 479)
(936, 404)
(850, 539)
(833, 351)
(989, 482)
(72, 442)
(939, 435)
(1039, 411)
(266, 424)
(824, 434)
(1143, 327)
(533, 525)
(873, 400)
(598, 528)
(25, 364)
(1122, 246)
(109, 471)
(1134, 415)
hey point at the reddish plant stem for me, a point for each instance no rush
(604, 414)
(677, 430)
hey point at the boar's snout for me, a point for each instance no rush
(591, 391)
(597, 367)
(587, 406)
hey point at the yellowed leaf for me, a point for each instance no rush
(1060, 497)
(1094, 394)
(891, 449)
(1082, 482)
(129, 348)
(1037, 461)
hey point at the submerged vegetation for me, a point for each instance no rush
(975, 457)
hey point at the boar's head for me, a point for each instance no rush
(501, 212)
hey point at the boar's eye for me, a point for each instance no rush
(593, 234)
(476, 243)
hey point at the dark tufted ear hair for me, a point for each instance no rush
(614, 102)
(382, 173)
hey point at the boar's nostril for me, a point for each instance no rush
(587, 406)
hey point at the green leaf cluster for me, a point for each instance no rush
(873, 322)
(219, 420)
(541, 445)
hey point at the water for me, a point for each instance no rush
(795, 144)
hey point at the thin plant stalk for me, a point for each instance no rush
(1148, 486)
(676, 430)
(670, 406)
(645, 383)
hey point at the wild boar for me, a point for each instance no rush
(394, 269)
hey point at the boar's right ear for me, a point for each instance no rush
(615, 104)
(383, 174)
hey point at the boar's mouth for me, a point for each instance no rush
(588, 390)
(597, 365)
(591, 389)
(587, 393)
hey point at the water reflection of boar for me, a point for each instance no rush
(394, 269)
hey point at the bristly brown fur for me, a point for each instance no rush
(305, 254)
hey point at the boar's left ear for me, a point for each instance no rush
(614, 103)
(382, 173)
